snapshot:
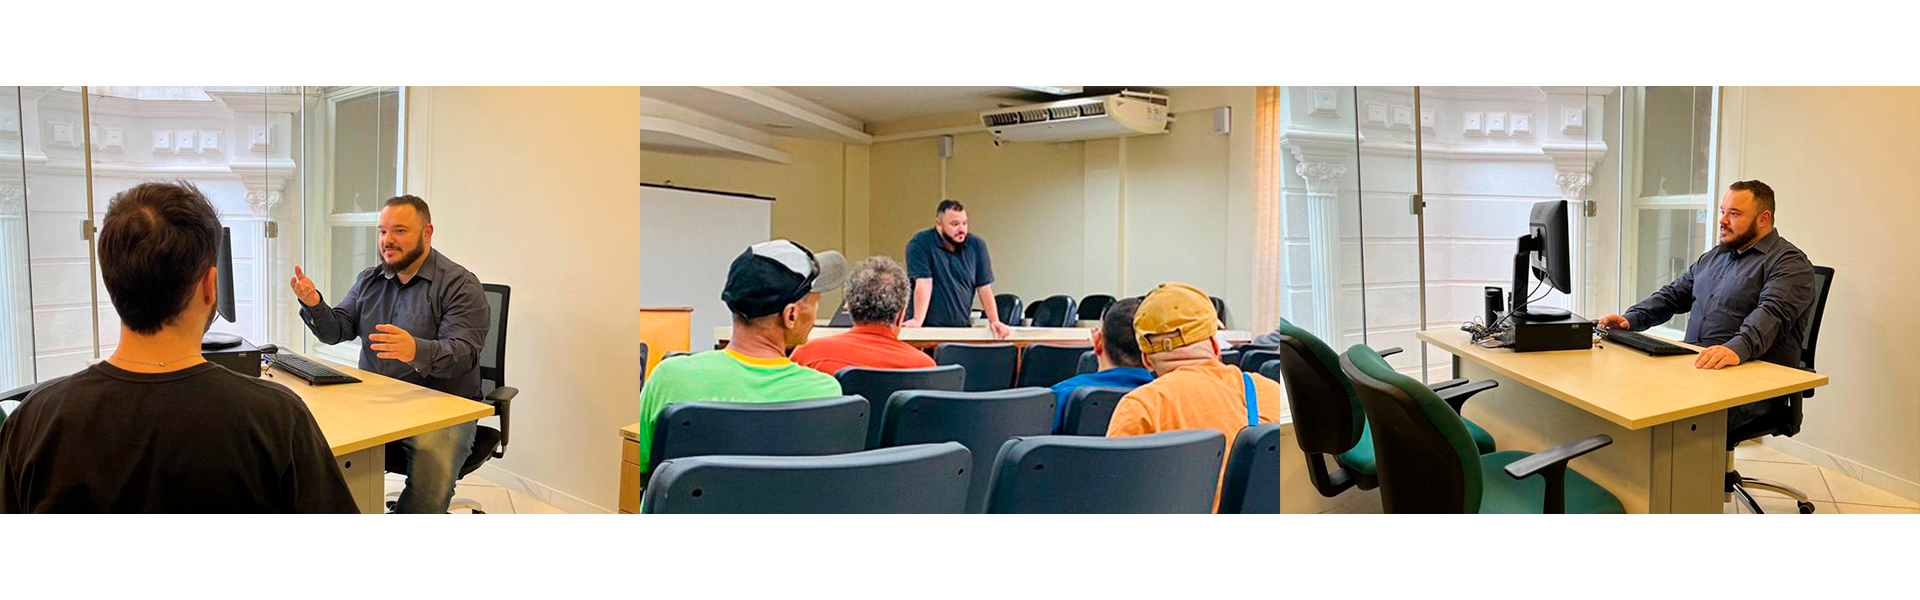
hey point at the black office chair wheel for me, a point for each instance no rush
(1806, 508)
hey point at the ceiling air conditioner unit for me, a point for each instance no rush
(1123, 114)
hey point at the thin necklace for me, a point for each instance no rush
(116, 356)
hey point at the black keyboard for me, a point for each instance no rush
(305, 368)
(1645, 344)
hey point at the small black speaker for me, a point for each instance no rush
(1493, 304)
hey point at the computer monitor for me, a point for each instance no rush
(225, 265)
(1544, 251)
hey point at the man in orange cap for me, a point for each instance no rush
(1191, 389)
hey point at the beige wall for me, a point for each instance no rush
(1840, 163)
(819, 198)
(1105, 216)
(537, 188)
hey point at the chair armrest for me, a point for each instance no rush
(1457, 396)
(1551, 465)
(1386, 352)
(502, 402)
(1447, 384)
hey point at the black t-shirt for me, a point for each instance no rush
(955, 273)
(199, 440)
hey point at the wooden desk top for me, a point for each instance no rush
(379, 409)
(631, 432)
(1631, 389)
(1022, 335)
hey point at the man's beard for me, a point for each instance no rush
(1741, 240)
(953, 242)
(405, 259)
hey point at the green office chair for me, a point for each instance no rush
(1428, 464)
(1327, 417)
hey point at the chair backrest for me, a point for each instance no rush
(929, 478)
(989, 366)
(1230, 357)
(1220, 308)
(876, 385)
(1043, 365)
(1088, 364)
(980, 420)
(1427, 461)
(675, 355)
(1327, 417)
(798, 428)
(1090, 409)
(1251, 359)
(1271, 370)
(1251, 484)
(493, 356)
(1010, 309)
(1093, 307)
(1055, 311)
(1810, 337)
(1169, 472)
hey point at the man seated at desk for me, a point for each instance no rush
(1750, 296)
(155, 427)
(421, 318)
(877, 300)
(1119, 354)
(773, 290)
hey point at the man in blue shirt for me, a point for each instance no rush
(948, 268)
(1750, 296)
(1119, 355)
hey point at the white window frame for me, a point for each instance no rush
(1635, 203)
(323, 214)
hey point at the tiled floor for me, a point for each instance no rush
(1831, 492)
(493, 498)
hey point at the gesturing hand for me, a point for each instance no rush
(395, 343)
(303, 288)
(1717, 357)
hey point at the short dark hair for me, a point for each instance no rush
(1762, 194)
(1117, 328)
(156, 242)
(420, 206)
(947, 205)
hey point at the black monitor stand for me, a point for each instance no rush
(1524, 249)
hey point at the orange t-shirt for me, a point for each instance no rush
(1205, 396)
(871, 346)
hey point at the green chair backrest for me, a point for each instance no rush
(1326, 413)
(1428, 462)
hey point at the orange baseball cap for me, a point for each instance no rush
(1172, 316)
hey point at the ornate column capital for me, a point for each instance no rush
(1321, 178)
(13, 198)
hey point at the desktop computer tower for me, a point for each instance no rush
(1567, 333)
(243, 359)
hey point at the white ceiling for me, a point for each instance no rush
(879, 104)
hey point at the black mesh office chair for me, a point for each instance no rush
(1251, 483)
(488, 442)
(928, 478)
(1043, 365)
(1055, 311)
(1093, 307)
(1010, 309)
(980, 420)
(876, 385)
(1090, 410)
(989, 366)
(1787, 412)
(1169, 472)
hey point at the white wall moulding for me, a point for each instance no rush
(661, 134)
(1326, 103)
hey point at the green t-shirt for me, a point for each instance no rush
(725, 376)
